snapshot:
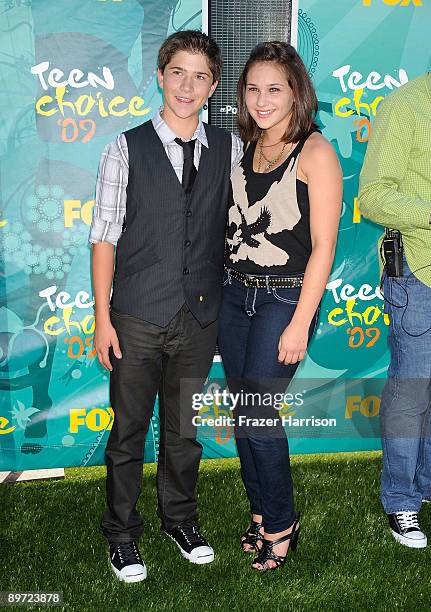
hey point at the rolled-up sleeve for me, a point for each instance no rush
(110, 205)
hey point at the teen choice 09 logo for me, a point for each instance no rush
(353, 326)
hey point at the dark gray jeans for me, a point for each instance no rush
(174, 362)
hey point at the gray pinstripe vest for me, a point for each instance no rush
(171, 249)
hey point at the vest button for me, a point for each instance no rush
(187, 243)
(186, 271)
(188, 213)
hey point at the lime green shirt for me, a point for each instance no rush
(395, 182)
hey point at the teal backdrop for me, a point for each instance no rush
(75, 73)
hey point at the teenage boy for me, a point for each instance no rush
(161, 198)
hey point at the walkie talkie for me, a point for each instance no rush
(393, 252)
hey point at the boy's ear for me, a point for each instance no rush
(213, 88)
(160, 78)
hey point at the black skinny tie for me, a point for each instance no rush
(189, 170)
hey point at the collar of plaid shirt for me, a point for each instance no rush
(167, 136)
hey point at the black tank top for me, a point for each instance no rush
(269, 218)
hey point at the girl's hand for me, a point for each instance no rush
(292, 345)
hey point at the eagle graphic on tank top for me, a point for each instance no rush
(250, 226)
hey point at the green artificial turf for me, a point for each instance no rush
(346, 558)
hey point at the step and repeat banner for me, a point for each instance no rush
(73, 74)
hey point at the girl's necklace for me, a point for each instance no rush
(270, 162)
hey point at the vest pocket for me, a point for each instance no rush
(139, 261)
(216, 265)
(214, 272)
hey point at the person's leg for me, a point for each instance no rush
(133, 388)
(187, 357)
(234, 326)
(406, 470)
(423, 472)
(265, 375)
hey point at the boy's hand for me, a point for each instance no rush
(104, 337)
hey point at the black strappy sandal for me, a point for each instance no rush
(252, 537)
(267, 553)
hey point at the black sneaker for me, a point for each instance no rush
(191, 543)
(426, 500)
(406, 530)
(126, 562)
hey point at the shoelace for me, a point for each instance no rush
(192, 535)
(407, 520)
(128, 553)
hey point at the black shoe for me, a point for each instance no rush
(406, 530)
(426, 500)
(267, 553)
(126, 562)
(252, 537)
(191, 543)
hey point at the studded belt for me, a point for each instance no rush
(264, 282)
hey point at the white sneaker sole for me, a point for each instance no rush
(197, 560)
(132, 577)
(422, 543)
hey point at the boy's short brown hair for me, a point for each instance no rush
(194, 42)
